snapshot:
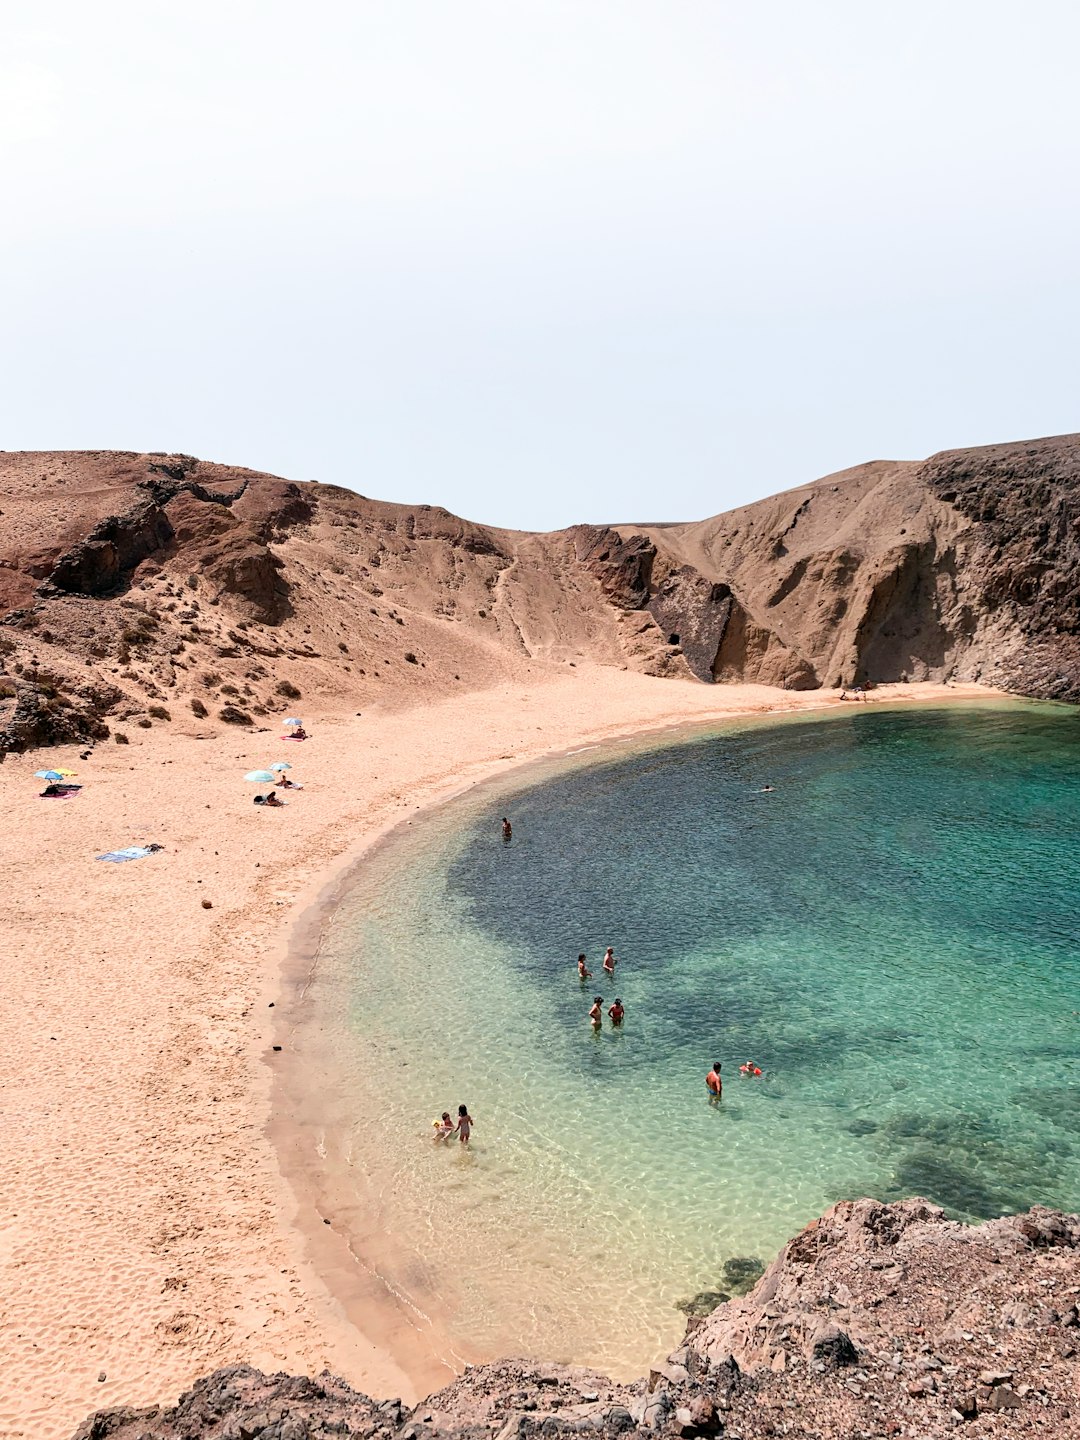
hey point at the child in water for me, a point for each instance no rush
(444, 1128)
(583, 972)
(609, 961)
(464, 1124)
(596, 1014)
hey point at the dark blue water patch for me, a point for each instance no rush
(872, 817)
(888, 920)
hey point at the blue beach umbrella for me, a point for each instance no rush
(261, 777)
(281, 765)
(294, 721)
(47, 775)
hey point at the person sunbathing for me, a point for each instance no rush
(272, 800)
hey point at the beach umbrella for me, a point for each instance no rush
(281, 765)
(261, 777)
(68, 773)
(294, 721)
(48, 775)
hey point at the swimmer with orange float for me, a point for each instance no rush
(749, 1069)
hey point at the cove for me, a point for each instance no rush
(891, 933)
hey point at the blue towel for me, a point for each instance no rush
(133, 852)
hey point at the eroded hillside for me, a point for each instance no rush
(154, 589)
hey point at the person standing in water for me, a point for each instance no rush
(616, 1012)
(507, 829)
(713, 1083)
(596, 1014)
(464, 1124)
(609, 961)
(584, 973)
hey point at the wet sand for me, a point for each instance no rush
(148, 1234)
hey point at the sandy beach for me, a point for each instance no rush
(147, 1235)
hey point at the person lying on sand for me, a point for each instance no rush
(584, 973)
(273, 801)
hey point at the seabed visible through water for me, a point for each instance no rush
(891, 934)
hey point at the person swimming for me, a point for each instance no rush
(713, 1082)
(464, 1124)
(596, 1014)
(584, 973)
(616, 1012)
(749, 1069)
(609, 961)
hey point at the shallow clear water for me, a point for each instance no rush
(892, 935)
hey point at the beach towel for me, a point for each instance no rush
(69, 794)
(294, 737)
(133, 852)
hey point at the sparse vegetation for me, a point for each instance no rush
(288, 689)
(233, 715)
(198, 707)
(159, 712)
(120, 738)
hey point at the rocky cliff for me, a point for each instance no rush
(135, 589)
(876, 1321)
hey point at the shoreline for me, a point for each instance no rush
(370, 1300)
(151, 1235)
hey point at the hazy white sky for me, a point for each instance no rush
(539, 261)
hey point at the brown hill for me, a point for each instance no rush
(154, 588)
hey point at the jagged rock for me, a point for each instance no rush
(101, 563)
(48, 712)
(816, 1344)
(622, 567)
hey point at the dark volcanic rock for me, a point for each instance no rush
(623, 567)
(47, 712)
(877, 1320)
(102, 562)
(693, 613)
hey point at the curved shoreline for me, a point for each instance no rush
(389, 1317)
(150, 1235)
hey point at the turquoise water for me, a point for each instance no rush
(891, 934)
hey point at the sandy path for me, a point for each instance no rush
(145, 1233)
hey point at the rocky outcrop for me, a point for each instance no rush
(877, 1320)
(39, 709)
(100, 564)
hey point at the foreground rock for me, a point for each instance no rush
(876, 1321)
